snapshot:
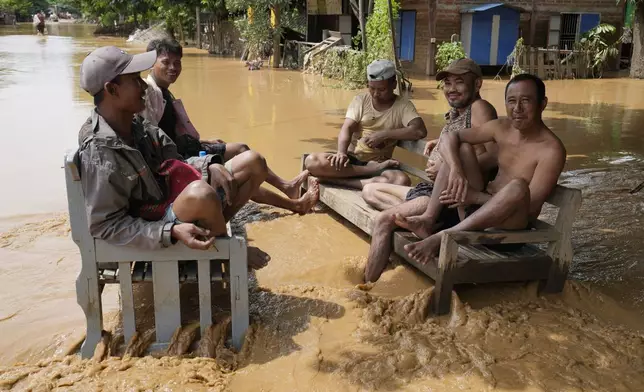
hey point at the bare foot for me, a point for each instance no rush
(257, 258)
(380, 166)
(292, 188)
(425, 250)
(306, 203)
(418, 225)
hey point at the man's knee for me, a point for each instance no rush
(396, 177)
(199, 192)
(518, 189)
(255, 162)
(467, 150)
(385, 220)
(313, 161)
(369, 192)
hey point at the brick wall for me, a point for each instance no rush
(448, 19)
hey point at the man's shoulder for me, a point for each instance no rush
(554, 147)
(482, 109)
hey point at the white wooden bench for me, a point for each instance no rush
(463, 256)
(103, 263)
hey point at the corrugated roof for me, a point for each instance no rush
(484, 7)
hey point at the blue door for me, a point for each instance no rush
(587, 22)
(405, 27)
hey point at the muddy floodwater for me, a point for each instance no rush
(312, 329)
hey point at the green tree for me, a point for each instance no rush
(379, 31)
(637, 59)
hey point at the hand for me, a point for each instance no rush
(432, 169)
(338, 160)
(220, 177)
(192, 236)
(375, 139)
(457, 186)
(214, 141)
(430, 146)
(471, 197)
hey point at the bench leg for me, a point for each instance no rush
(302, 168)
(239, 290)
(205, 299)
(167, 310)
(556, 277)
(127, 301)
(88, 297)
(441, 301)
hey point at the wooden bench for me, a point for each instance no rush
(463, 256)
(103, 263)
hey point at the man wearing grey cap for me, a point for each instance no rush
(138, 190)
(461, 85)
(375, 121)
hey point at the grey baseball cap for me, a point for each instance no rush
(380, 70)
(107, 62)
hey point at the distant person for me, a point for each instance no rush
(164, 110)
(375, 121)
(39, 21)
(138, 190)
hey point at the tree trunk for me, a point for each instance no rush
(277, 55)
(370, 10)
(198, 23)
(430, 66)
(637, 59)
(363, 32)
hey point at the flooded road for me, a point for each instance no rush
(312, 327)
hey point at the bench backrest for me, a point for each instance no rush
(560, 197)
(76, 202)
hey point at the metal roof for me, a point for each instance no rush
(484, 7)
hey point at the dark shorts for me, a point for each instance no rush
(420, 190)
(215, 148)
(41, 28)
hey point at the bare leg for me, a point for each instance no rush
(381, 236)
(508, 209)
(319, 166)
(289, 188)
(422, 225)
(384, 196)
(198, 203)
(301, 206)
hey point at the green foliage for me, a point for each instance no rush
(600, 44)
(513, 58)
(379, 31)
(24, 7)
(343, 64)
(448, 52)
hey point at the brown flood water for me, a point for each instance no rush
(312, 329)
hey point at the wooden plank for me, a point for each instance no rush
(441, 300)
(350, 205)
(562, 195)
(167, 312)
(402, 238)
(416, 172)
(205, 299)
(536, 62)
(506, 237)
(110, 253)
(88, 293)
(511, 270)
(239, 290)
(127, 300)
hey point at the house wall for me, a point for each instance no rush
(448, 19)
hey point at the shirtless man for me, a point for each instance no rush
(462, 84)
(530, 157)
(375, 121)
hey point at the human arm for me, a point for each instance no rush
(544, 179)
(457, 184)
(107, 189)
(483, 112)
